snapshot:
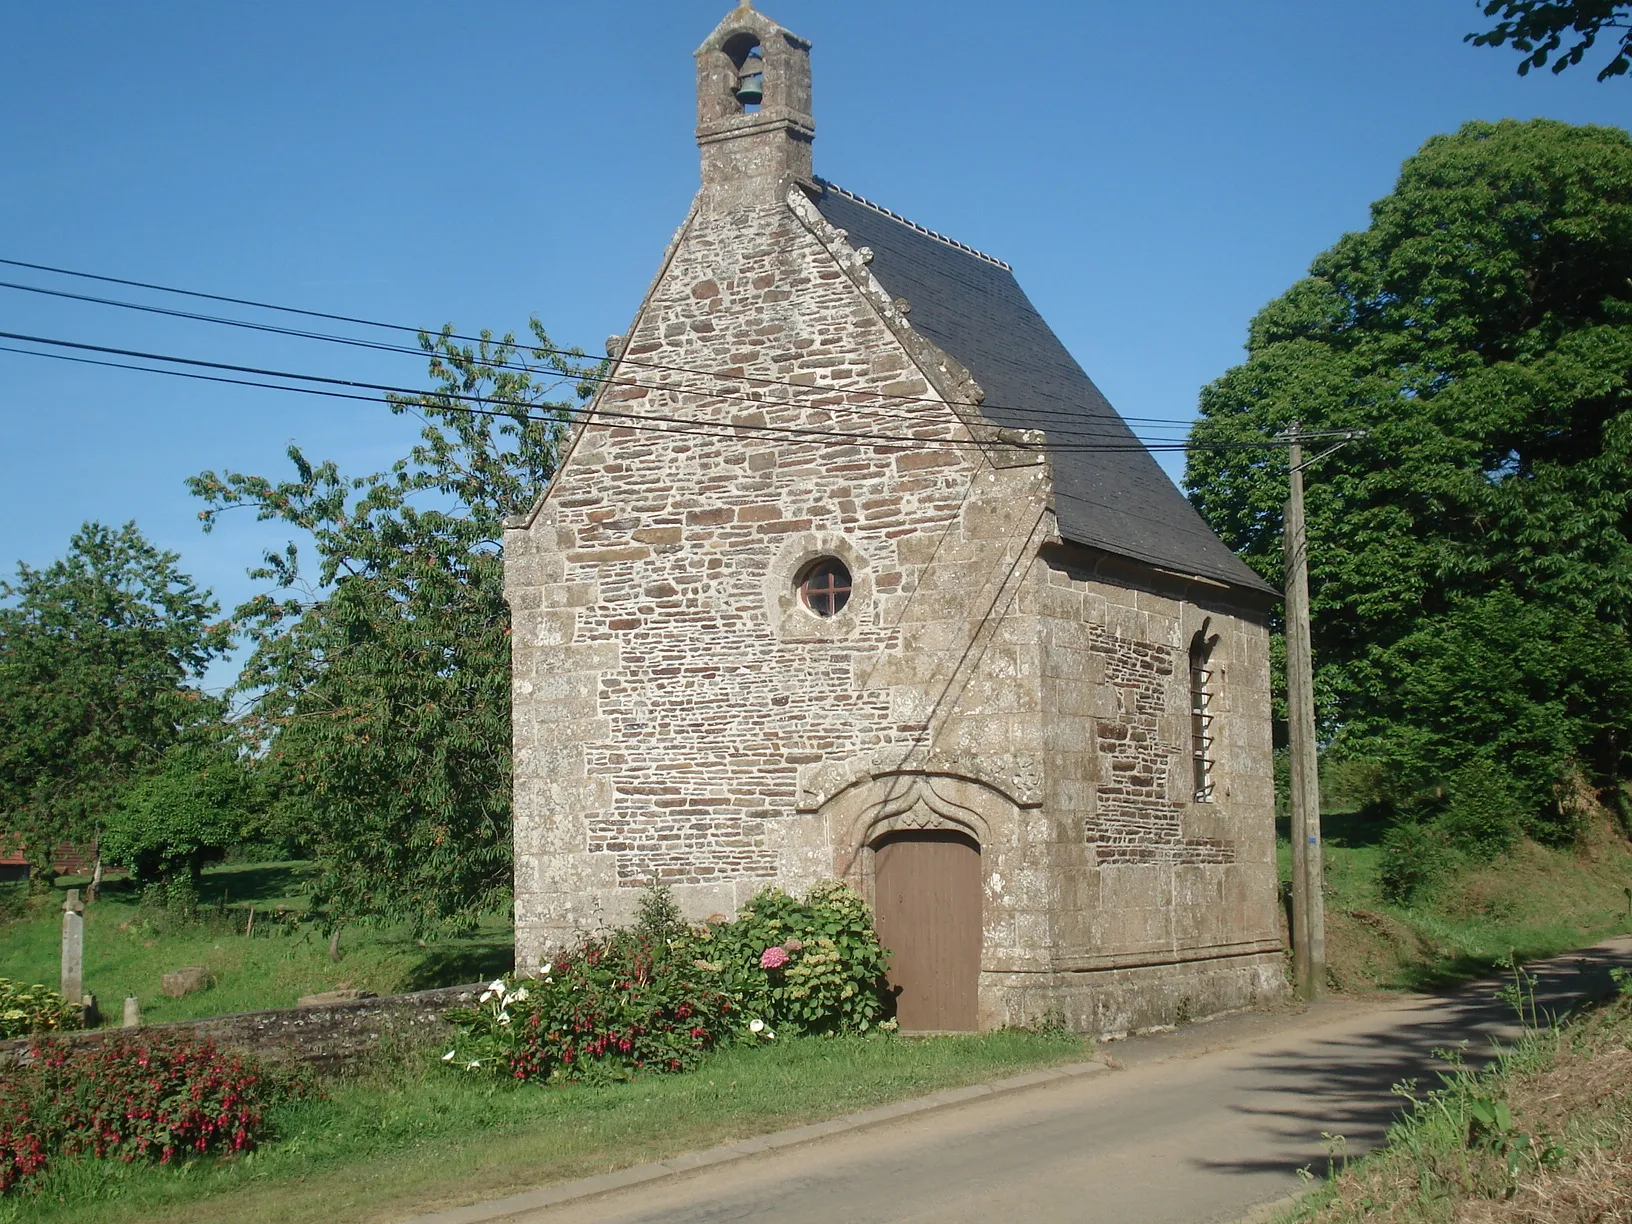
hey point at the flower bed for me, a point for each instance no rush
(659, 995)
(138, 1100)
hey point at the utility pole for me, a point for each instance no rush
(1308, 878)
(1308, 900)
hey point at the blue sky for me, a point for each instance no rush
(1155, 174)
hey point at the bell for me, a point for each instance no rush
(751, 80)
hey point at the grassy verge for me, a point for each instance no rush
(1543, 1135)
(128, 949)
(412, 1137)
(1534, 903)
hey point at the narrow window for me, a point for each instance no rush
(825, 586)
(1201, 713)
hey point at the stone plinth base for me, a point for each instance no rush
(1114, 1002)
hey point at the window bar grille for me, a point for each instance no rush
(1201, 741)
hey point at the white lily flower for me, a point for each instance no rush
(504, 1018)
(473, 1064)
(448, 1057)
(520, 996)
(486, 995)
(769, 1036)
(756, 1026)
(498, 986)
(546, 967)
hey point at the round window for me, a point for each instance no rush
(825, 586)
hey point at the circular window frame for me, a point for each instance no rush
(791, 619)
(837, 593)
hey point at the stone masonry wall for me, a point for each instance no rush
(326, 1036)
(1151, 876)
(672, 701)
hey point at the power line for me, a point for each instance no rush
(580, 375)
(1070, 414)
(563, 412)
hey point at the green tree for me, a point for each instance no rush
(1537, 28)
(187, 813)
(100, 654)
(383, 687)
(1470, 562)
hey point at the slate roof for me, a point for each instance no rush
(971, 306)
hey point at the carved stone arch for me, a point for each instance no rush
(880, 804)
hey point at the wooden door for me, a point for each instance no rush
(927, 892)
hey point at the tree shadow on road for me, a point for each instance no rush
(1347, 1080)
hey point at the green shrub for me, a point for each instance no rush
(173, 822)
(617, 1005)
(1348, 784)
(25, 1010)
(1414, 858)
(657, 996)
(812, 966)
(1484, 816)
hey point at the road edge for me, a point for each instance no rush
(1272, 1210)
(742, 1149)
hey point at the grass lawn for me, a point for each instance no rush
(1536, 902)
(126, 951)
(412, 1136)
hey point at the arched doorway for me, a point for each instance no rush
(927, 901)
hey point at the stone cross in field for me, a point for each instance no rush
(73, 948)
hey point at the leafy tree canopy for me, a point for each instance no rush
(100, 653)
(170, 823)
(1537, 28)
(1470, 562)
(382, 684)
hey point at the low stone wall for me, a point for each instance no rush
(324, 1036)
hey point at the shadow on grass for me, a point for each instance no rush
(459, 962)
(1451, 971)
(1350, 830)
(254, 883)
(240, 885)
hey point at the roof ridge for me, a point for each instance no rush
(827, 185)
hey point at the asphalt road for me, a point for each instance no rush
(1195, 1126)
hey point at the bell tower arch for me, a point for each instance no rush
(754, 124)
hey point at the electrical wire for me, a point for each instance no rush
(725, 429)
(575, 375)
(1069, 414)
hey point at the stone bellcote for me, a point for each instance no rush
(751, 148)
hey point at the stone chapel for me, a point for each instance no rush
(851, 571)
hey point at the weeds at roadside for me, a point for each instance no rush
(1540, 1134)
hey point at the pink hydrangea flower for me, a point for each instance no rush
(773, 958)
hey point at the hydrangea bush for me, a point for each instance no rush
(809, 966)
(659, 995)
(25, 1010)
(159, 1100)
